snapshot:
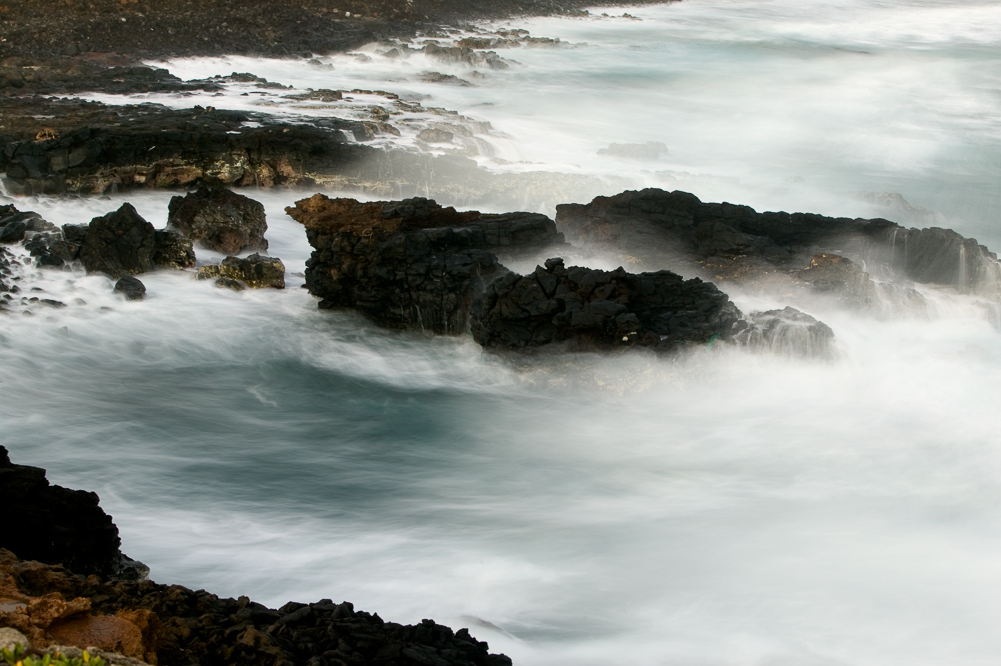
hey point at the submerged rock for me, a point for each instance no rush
(650, 150)
(410, 264)
(255, 271)
(131, 288)
(726, 242)
(588, 309)
(220, 219)
(787, 332)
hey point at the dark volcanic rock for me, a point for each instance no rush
(131, 288)
(220, 219)
(410, 264)
(123, 243)
(183, 627)
(173, 250)
(255, 271)
(591, 309)
(119, 243)
(735, 243)
(13, 232)
(56, 525)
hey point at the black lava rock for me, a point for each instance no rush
(131, 288)
(55, 525)
(588, 309)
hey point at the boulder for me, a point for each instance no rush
(13, 232)
(57, 525)
(586, 309)
(119, 243)
(255, 271)
(730, 243)
(220, 220)
(123, 243)
(787, 332)
(131, 288)
(410, 264)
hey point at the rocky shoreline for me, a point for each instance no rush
(65, 584)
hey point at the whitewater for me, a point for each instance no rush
(721, 507)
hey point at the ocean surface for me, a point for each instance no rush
(718, 508)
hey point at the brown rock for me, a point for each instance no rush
(106, 632)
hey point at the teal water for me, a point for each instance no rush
(719, 508)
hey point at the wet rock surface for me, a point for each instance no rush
(787, 332)
(131, 288)
(255, 271)
(410, 264)
(726, 242)
(57, 525)
(586, 309)
(220, 220)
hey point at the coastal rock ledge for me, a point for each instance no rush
(54, 606)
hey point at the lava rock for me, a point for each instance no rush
(131, 288)
(787, 332)
(255, 271)
(842, 278)
(13, 232)
(726, 242)
(50, 261)
(119, 243)
(220, 220)
(410, 264)
(586, 309)
(56, 525)
(173, 250)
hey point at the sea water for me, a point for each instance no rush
(719, 507)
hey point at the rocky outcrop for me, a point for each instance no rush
(586, 309)
(123, 243)
(175, 626)
(255, 271)
(787, 332)
(57, 525)
(841, 278)
(220, 220)
(410, 264)
(725, 242)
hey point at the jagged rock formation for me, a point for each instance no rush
(220, 220)
(123, 243)
(725, 242)
(586, 309)
(255, 271)
(410, 264)
(57, 525)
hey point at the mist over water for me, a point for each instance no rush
(720, 507)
